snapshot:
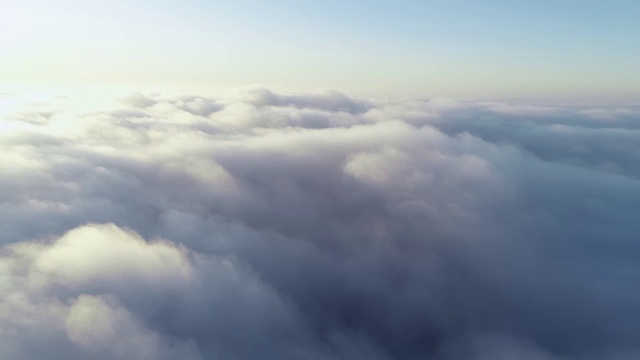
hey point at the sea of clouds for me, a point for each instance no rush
(261, 225)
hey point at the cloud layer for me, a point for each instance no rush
(317, 226)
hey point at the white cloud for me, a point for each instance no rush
(107, 254)
(316, 226)
(104, 329)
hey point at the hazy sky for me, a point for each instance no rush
(463, 49)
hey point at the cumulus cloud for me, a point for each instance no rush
(317, 226)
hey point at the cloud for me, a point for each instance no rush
(71, 287)
(317, 226)
(101, 328)
(329, 100)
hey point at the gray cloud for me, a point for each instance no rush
(318, 226)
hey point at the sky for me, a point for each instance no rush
(298, 180)
(585, 51)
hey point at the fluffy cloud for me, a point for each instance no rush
(317, 226)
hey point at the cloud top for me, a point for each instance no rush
(317, 226)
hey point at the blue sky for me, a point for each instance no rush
(463, 49)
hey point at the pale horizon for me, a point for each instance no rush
(575, 51)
